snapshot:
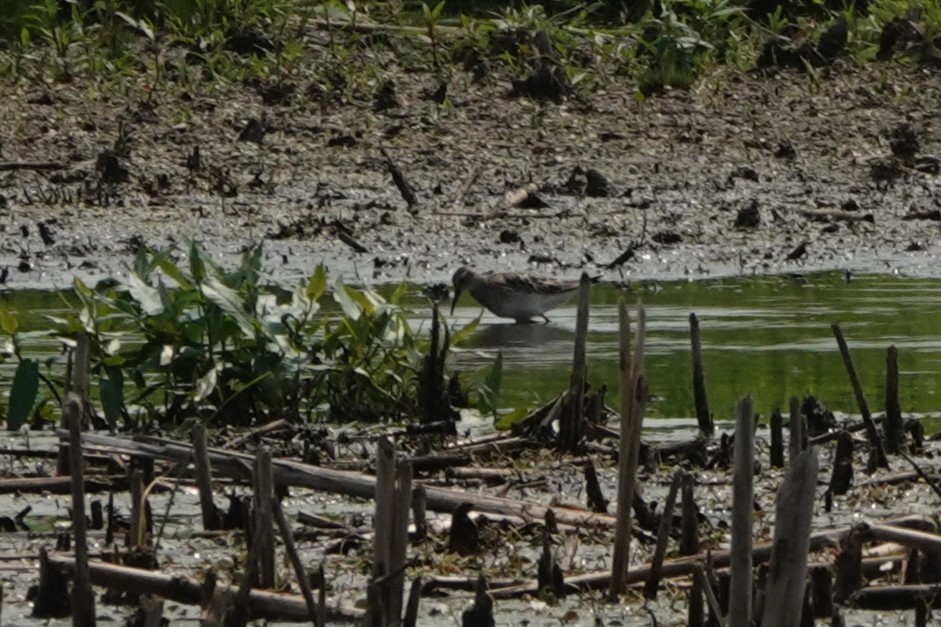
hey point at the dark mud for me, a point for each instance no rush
(744, 174)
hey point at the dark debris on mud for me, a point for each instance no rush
(713, 181)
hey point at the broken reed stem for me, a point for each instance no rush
(204, 477)
(663, 538)
(78, 378)
(264, 518)
(871, 432)
(633, 398)
(411, 608)
(743, 503)
(239, 605)
(777, 439)
(798, 441)
(689, 518)
(383, 521)
(83, 599)
(703, 417)
(571, 428)
(894, 429)
(704, 584)
(135, 535)
(291, 550)
(395, 587)
(419, 508)
(787, 570)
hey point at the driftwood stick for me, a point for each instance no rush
(897, 597)
(6, 166)
(743, 504)
(703, 417)
(293, 473)
(683, 566)
(872, 433)
(663, 537)
(264, 519)
(401, 182)
(913, 538)
(787, 570)
(291, 549)
(263, 604)
(204, 477)
(633, 397)
(59, 485)
(921, 473)
(83, 599)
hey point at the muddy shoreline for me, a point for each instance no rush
(814, 157)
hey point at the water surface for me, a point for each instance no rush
(765, 336)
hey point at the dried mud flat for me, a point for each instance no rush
(744, 174)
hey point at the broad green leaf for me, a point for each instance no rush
(166, 355)
(23, 393)
(507, 420)
(317, 284)
(206, 384)
(229, 302)
(146, 296)
(488, 390)
(350, 309)
(112, 396)
(400, 291)
(8, 323)
(197, 262)
(466, 331)
(173, 271)
(367, 300)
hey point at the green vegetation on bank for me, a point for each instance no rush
(657, 43)
(177, 342)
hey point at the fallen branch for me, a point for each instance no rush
(7, 166)
(262, 604)
(293, 473)
(685, 566)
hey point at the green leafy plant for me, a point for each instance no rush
(176, 342)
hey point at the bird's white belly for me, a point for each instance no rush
(523, 305)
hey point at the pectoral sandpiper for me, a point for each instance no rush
(510, 295)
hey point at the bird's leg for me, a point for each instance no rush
(545, 318)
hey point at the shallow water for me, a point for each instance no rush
(765, 336)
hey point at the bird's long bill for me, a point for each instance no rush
(457, 295)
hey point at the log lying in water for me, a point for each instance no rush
(685, 566)
(292, 473)
(262, 604)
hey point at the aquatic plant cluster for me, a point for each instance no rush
(173, 343)
(552, 48)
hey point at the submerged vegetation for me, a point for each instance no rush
(176, 342)
(341, 45)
